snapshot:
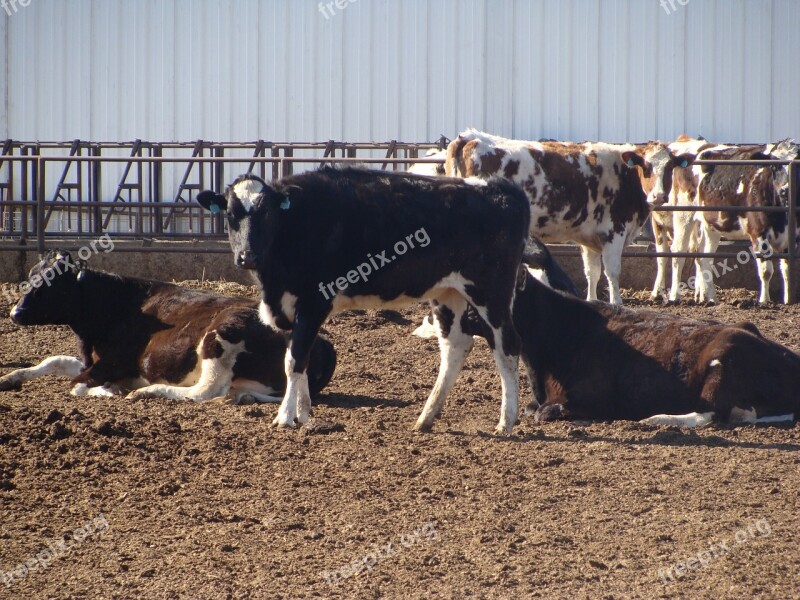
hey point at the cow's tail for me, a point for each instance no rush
(454, 164)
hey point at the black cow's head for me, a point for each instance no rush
(50, 296)
(251, 209)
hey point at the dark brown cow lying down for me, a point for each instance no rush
(158, 339)
(598, 361)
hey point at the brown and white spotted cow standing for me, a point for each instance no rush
(592, 193)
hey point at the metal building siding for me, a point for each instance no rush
(179, 70)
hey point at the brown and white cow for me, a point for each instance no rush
(677, 231)
(156, 338)
(591, 360)
(592, 193)
(745, 186)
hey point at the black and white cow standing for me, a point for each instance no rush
(338, 239)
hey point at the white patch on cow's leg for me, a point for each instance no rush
(592, 268)
(258, 392)
(427, 330)
(453, 351)
(266, 316)
(741, 415)
(661, 262)
(612, 265)
(705, 290)
(784, 266)
(765, 271)
(690, 420)
(296, 395)
(81, 389)
(776, 418)
(215, 377)
(508, 365)
(683, 234)
(61, 366)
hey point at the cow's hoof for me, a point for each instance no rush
(549, 412)
(283, 423)
(10, 385)
(503, 429)
(531, 408)
(423, 426)
(139, 395)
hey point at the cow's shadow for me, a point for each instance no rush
(337, 400)
(660, 437)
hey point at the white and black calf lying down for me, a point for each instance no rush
(590, 360)
(338, 239)
(156, 338)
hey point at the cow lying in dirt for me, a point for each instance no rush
(155, 338)
(598, 361)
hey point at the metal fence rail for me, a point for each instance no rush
(31, 195)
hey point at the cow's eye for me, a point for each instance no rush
(233, 222)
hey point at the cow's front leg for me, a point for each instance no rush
(61, 366)
(296, 405)
(612, 265)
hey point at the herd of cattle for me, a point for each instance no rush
(483, 271)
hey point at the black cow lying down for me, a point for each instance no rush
(338, 239)
(597, 361)
(155, 338)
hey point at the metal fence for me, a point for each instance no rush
(46, 197)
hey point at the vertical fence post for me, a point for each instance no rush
(40, 226)
(791, 282)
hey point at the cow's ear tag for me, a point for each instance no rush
(630, 162)
(684, 163)
(215, 209)
(286, 203)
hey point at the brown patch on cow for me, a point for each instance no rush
(511, 169)
(490, 163)
(721, 186)
(542, 221)
(211, 347)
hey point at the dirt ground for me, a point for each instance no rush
(174, 499)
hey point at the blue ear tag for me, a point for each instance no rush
(685, 164)
(286, 203)
(630, 162)
(215, 209)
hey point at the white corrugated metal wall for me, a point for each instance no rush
(176, 70)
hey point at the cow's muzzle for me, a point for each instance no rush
(658, 199)
(245, 260)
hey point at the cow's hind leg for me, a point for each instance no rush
(612, 265)
(61, 366)
(296, 406)
(454, 346)
(217, 357)
(592, 267)
(506, 345)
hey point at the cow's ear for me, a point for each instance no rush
(212, 201)
(684, 160)
(632, 159)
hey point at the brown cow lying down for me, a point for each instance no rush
(155, 338)
(598, 361)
